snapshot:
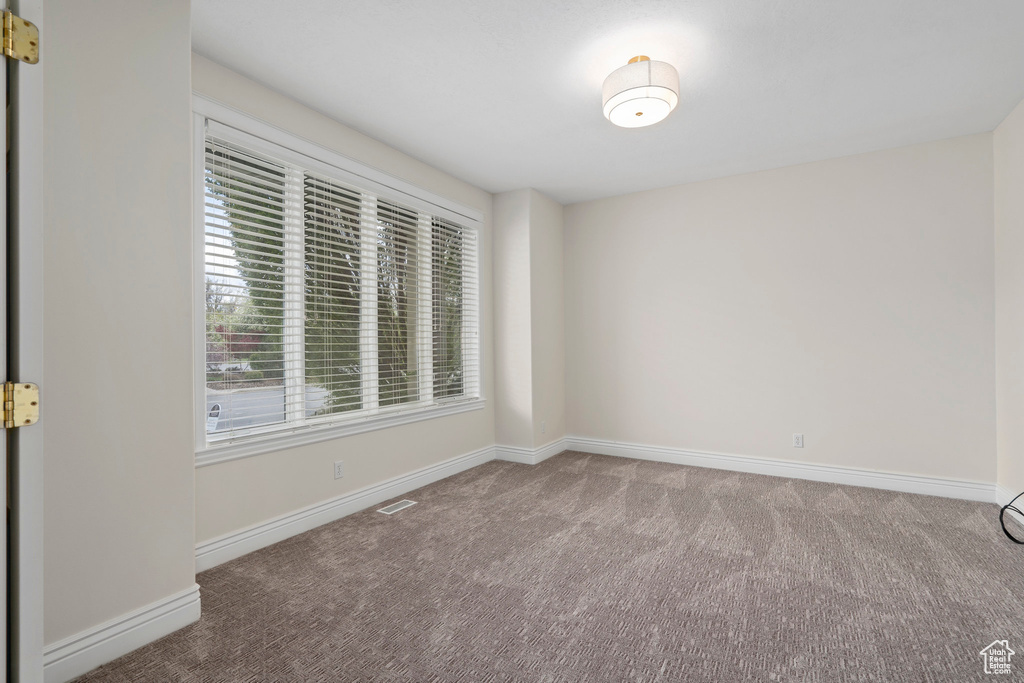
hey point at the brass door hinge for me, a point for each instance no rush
(21, 404)
(21, 38)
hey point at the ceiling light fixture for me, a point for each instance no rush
(641, 93)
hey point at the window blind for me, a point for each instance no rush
(333, 291)
(453, 281)
(326, 302)
(245, 271)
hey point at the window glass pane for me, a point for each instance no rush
(447, 246)
(397, 294)
(332, 297)
(244, 249)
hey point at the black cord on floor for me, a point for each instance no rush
(1002, 522)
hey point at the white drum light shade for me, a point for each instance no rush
(641, 93)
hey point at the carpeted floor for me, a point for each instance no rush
(594, 568)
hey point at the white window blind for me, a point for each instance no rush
(325, 302)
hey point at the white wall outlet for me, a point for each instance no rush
(543, 426)
(798, 441)
(339, 470)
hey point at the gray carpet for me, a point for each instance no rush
(593, 568)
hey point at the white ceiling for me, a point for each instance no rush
(507, 95)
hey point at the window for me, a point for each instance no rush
(330, 299)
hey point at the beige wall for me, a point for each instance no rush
(118, 307)
(240, 493)
(528, 319)
(513, 339)
(851, 300)
(547, 315)
(1008, 143)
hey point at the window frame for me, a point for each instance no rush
(259, 136)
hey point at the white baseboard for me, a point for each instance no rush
(83, 652)
(1004, 496)
(78, 654)
(529, 456)
(230, 546)
(892, 481)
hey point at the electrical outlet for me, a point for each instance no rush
(543, 427)
(798, 441)
(339, 470)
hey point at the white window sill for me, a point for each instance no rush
(302, 436)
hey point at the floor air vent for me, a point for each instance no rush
(395, 507)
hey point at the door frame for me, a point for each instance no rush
(25, 337)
